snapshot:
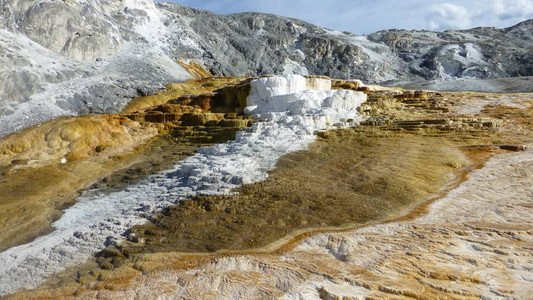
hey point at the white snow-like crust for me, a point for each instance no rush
(292, 113)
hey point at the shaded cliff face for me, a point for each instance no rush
(81, 57)
(256, 44)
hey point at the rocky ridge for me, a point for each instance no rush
(82, 57)
(255, 44)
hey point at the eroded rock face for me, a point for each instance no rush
(258, 44)
(76, 29)
(255, 44)
(475, 53)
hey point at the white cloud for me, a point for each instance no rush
(512, 9)
(448, 16)
(496, 13)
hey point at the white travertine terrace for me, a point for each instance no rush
(292, 113)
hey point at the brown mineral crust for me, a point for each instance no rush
(367, 174)
(35, 185)
(309, 190)
(345, 84)
(230, 91)
(195, 69)
(441, 252)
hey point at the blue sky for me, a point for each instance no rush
(363, 17)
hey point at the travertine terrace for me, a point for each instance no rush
(462, 231)
(153, 150)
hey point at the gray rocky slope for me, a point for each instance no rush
(68, 57)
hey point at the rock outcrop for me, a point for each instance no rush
(475, 53)
(82, 30)
(79, 57)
